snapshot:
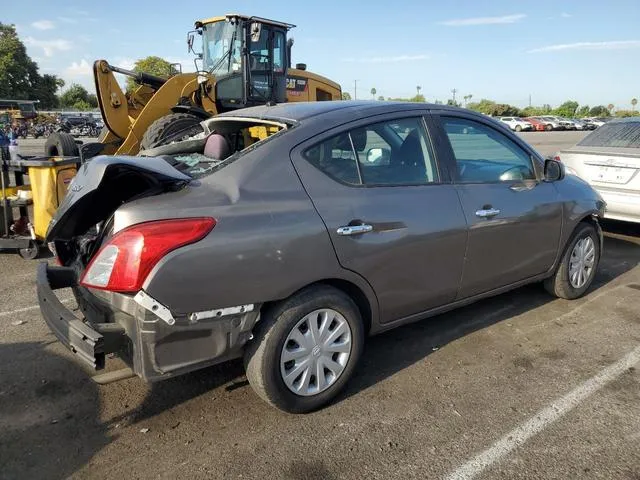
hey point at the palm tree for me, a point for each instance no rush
(610, 108)
(373, 93)
(466, 99)
(634, 102)
(418, 88)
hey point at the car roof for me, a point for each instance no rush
(299, 111)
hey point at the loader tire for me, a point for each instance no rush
(169, 128)
(60, 144)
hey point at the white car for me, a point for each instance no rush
(595, 121)
(516, 124)
(609, 160)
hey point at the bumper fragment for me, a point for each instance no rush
(90, 343)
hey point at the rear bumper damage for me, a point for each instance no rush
(151, 346)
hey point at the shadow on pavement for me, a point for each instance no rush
(49, 414)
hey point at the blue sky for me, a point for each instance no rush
(586, 50)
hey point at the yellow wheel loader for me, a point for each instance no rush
(245, 61)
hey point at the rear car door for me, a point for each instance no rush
(392, 214)
(514, 217)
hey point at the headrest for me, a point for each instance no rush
(217, 147)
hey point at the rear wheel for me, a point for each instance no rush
(60, 144)
(305, 349)
(172, 127)
(578, 266)
(518, 128)
(548, 127)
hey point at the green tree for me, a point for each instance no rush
(599, 111)
(627, 113)
(77, 97)
(152, 65)
(583, 111)
(567, 109)
(634, 102)
(489, 107)
(373, 92)
(346, 96)
(19, 76)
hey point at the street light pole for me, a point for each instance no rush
(355, 89)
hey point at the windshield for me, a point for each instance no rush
(621, 135)
(222, 47)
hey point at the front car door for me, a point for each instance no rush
(393, 216)
(514, 217)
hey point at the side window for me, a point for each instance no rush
(336, 158)
(279, 52)
(395, 152)
(484, 155)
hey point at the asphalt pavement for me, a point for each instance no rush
(520, 386)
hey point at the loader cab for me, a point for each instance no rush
(248, 57)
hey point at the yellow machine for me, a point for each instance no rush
(245, 61)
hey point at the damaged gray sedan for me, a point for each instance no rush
(287, 234)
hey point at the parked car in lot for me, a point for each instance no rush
(538, 125)
(557, 122)
(574, 124)
(549, 123)
(609, 159)
(516, 124)
(290, 233)
(597, 121)
(583, 124)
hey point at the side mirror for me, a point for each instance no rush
(190, 38)
(378, 155)
(553, 170)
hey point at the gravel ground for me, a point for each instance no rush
(520, 386)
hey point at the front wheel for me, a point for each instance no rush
(31, 252)
(305, 349)
(518, 128)
(172, 127)
(578, 265)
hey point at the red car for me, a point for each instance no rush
(538, 125)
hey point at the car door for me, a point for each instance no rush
(514, 217)
(392, 214)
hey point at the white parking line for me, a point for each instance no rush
(543, 418)
(27, 309)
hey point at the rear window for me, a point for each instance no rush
(621, 135)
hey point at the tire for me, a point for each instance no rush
(263, 355)
(518, 128)
(31, 252)
(174, 126)
(60, 144)
(548, 127)
(559, 284)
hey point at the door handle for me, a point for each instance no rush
(354, 229)
(487, 212)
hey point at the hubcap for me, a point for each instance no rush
(581, 263)
(315, 352)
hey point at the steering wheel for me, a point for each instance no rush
(519, 172)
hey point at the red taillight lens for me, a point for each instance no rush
(123, 263)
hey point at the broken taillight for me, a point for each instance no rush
(123, 263)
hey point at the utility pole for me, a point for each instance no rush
(355, 89)
(454, 94)
(529, 99)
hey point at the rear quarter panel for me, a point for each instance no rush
(268, 242)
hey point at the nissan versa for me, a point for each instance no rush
(287, 234)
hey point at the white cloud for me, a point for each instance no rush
(397, 58)
(466, 22)
(48, 46)
(612, 45)
(78, 69)
(566, 15)
(67, 20)
(43, 25)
